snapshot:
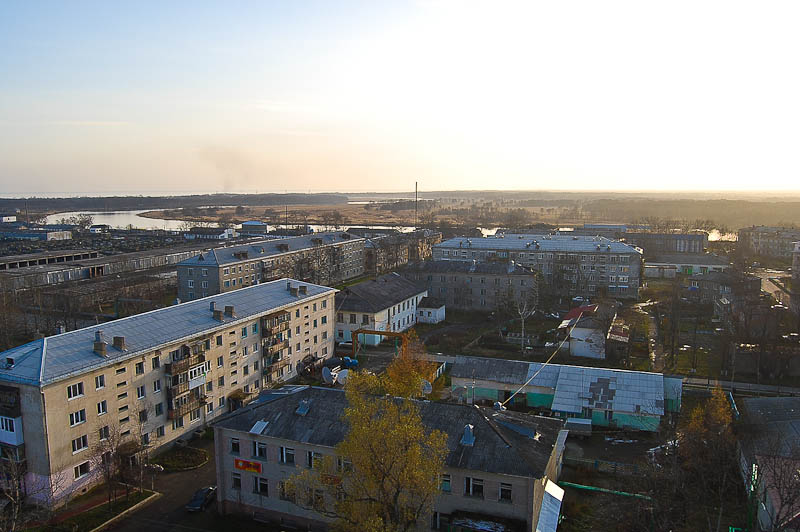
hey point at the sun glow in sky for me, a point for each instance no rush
(141, 97)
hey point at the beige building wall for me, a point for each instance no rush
(115, 395)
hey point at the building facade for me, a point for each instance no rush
(386, 303)
(154, 377)
(324, 258)
(466, 285)
(499, 476)
(569, 265)
(668, 266)
(769, 241)
(665, 243)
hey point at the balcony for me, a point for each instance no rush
(272, 364)
(273, 348)
(178, 389)
(194, 402)
(183, 365)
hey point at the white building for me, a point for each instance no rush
(430, 310)
(387, 303)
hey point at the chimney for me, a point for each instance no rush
(229, 311)
(61, 329)
(99, 344)
(293, 290)
(218, 315)
(288, 286)
(303, 289)
(119, 343)
(212, 306)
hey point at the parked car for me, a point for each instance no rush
(201, 499)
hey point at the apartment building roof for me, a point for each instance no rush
(265, 248)
(505, 442)
(575, 387)
(377, 294)
(774, 421)
(51, 359)
(542, 243)
(479, 268)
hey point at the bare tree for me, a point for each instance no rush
(106, 456)
(778, 481)
(523, 301)
(31, 498)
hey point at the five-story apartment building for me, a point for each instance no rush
(153, 377)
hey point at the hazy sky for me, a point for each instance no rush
(115, 96)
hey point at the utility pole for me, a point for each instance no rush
(416, 200)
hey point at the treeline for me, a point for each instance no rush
(729, 213)
(127, 203)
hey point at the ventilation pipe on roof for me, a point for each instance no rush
(99, 344)
(212, 306)
(303, 289)
(288, 286)
(218, 315)
(119, 343)
(229, 311)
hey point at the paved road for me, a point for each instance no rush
(166, 514)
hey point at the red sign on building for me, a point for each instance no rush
(247, 465)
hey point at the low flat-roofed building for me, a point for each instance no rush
(430, 310)
(624, 399)
(154, 377)
(505, 476)
(687, 263)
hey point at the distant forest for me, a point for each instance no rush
(733, 214)
(129, 203)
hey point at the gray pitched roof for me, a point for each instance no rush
(56, 357)
(505, 443)
(377, 294)
(263, 249)
(525, 242)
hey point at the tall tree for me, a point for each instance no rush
(384, 476)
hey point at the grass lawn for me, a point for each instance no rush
(709, 363)
(180, 458)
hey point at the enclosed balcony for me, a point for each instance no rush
(183, 365)
(274, 347)
(193, 402)
(274, 324)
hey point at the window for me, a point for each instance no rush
(287, 455)
(177, 423)
(81, 470)
(209, 386)
(104, 433)
(125, 419)
(194, 415)
(121, 384)
(160, 432)
(324, 319)
(75, 390)
(244, 332)
(352, 318)
(234, 445)
(139, 368)
(209, 407)
(220, 362)
(142, 416)
(159, 409)
(259, 449)
(312, 458)
(254, 328)
(246, 370)
(140, 392)
(99, 382)
(283, 492)
(505, 492)
(219, 339)
(444, 483)
(76, 418)
(261, 486)
(157, 386)
(221, 402)
(156, 362)
(324, 303)
(473, 487)
(255, 348)
(145, 439)
(102, 408)
(120, 371)
(6, 424)
(80, 444)
(340, 317)
(236, 481)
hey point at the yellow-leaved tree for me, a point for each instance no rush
(384, 476)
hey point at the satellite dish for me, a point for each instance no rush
(427, 387)
(341, 377)
(327, 376)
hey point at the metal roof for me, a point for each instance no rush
(377, 294)
(478, 268)
(57, 357)
(574, 387)
(263, 249)
(708, 259)
(551, 243)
